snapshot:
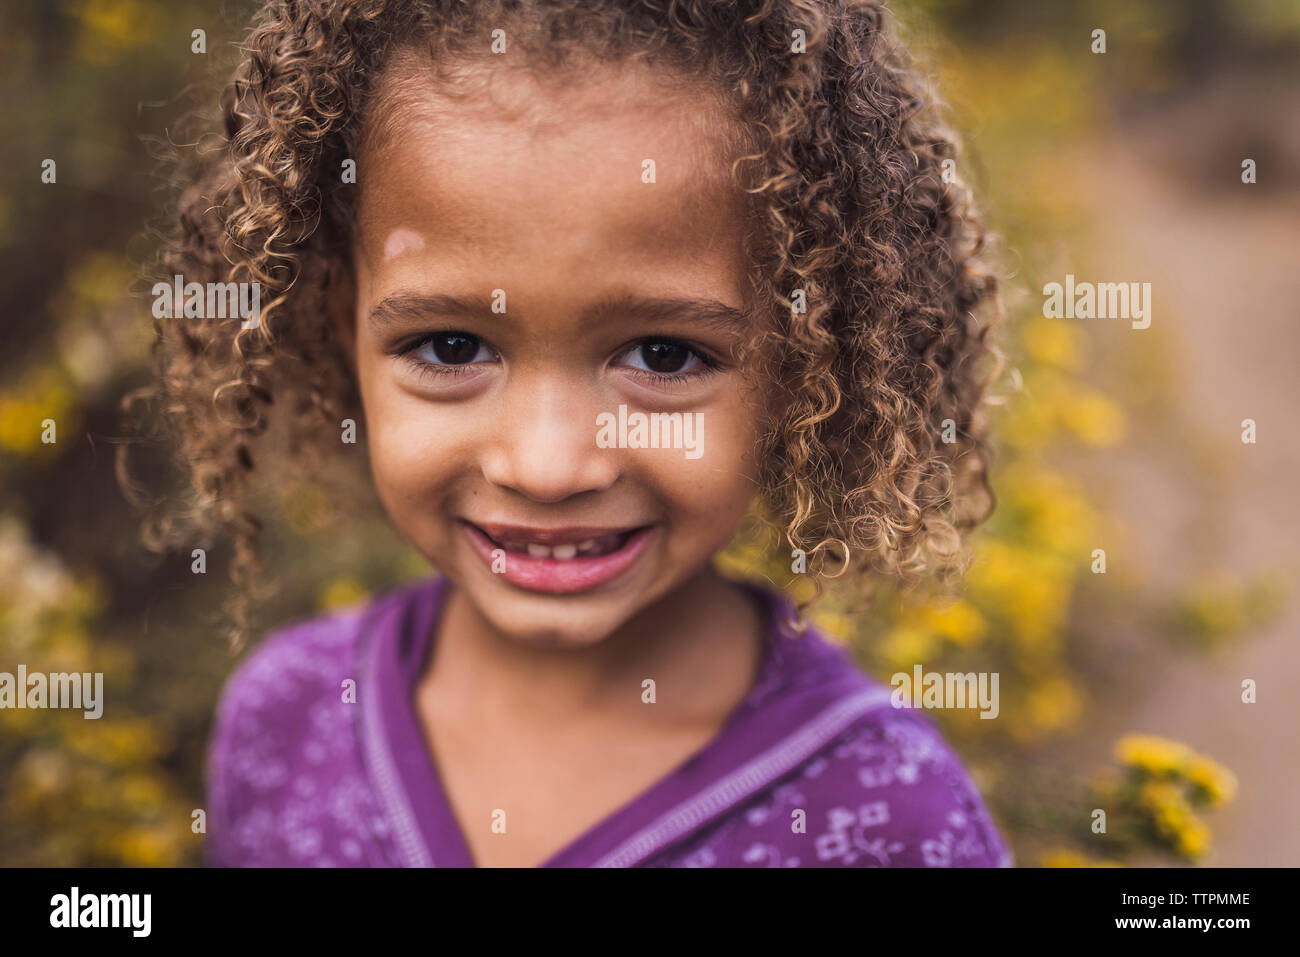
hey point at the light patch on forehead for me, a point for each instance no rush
(514, 162)
(402, 241)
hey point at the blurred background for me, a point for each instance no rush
(1120, 690)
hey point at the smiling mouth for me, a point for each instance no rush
(559, 545)
(560, 561)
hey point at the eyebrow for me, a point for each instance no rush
(409, 308)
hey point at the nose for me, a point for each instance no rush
(545, 444)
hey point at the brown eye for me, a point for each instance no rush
(667, 361)
(448, 352)
(665, 356)
(454, 348)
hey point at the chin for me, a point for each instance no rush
(528, 621)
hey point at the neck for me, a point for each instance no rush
(701, 644)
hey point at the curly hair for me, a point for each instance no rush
(865, 253)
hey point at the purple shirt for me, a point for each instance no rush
(815, 768)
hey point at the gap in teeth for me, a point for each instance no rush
(591, 547)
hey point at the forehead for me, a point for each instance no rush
(607, 163)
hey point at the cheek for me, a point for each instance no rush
(414, 446)
(709, 495)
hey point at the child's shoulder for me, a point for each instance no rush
(887, 790)
(868, 784)
(299, 670)
(282, 764)
(293, 661)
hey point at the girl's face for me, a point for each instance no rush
(539, 267)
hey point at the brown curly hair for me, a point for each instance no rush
(878, 456)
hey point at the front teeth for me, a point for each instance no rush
(603, 545)
(561, 552)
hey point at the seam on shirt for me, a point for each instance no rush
(757, 773)
(405, 829)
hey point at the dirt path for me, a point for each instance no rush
(1225, 272)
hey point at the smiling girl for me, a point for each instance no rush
(482, 229)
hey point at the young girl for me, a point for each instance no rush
(592, 282)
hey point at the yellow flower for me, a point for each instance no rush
(1174, 819)
(1038, 611)
(43, 394)
(147, 846)
(1217, 783)
(21, 722)
(1061, 857)
(741, 559)
(801, 588)
(1192, 839)
(1152, 754)
(960, 622)
(1063, 524)
(342, 593)
(141, 792)
(110, 27)
(304, 507)
(1161, 797)
(1094, 418)
(906, 645)
(413, 565)
(1169, 812)
(998, 570)
(1027, 424)
(835, 626)
(1219, 606)
(1054, 704)
(1054, 342)
(126, 742)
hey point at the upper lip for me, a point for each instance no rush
(569, 535)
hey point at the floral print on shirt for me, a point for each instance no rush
(888, 792)
(290, 785)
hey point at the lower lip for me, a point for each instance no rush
(561, 577)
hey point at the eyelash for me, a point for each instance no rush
(425, 369)
(708, 365)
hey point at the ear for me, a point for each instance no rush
(341, 304)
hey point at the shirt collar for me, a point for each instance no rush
(806, 693)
